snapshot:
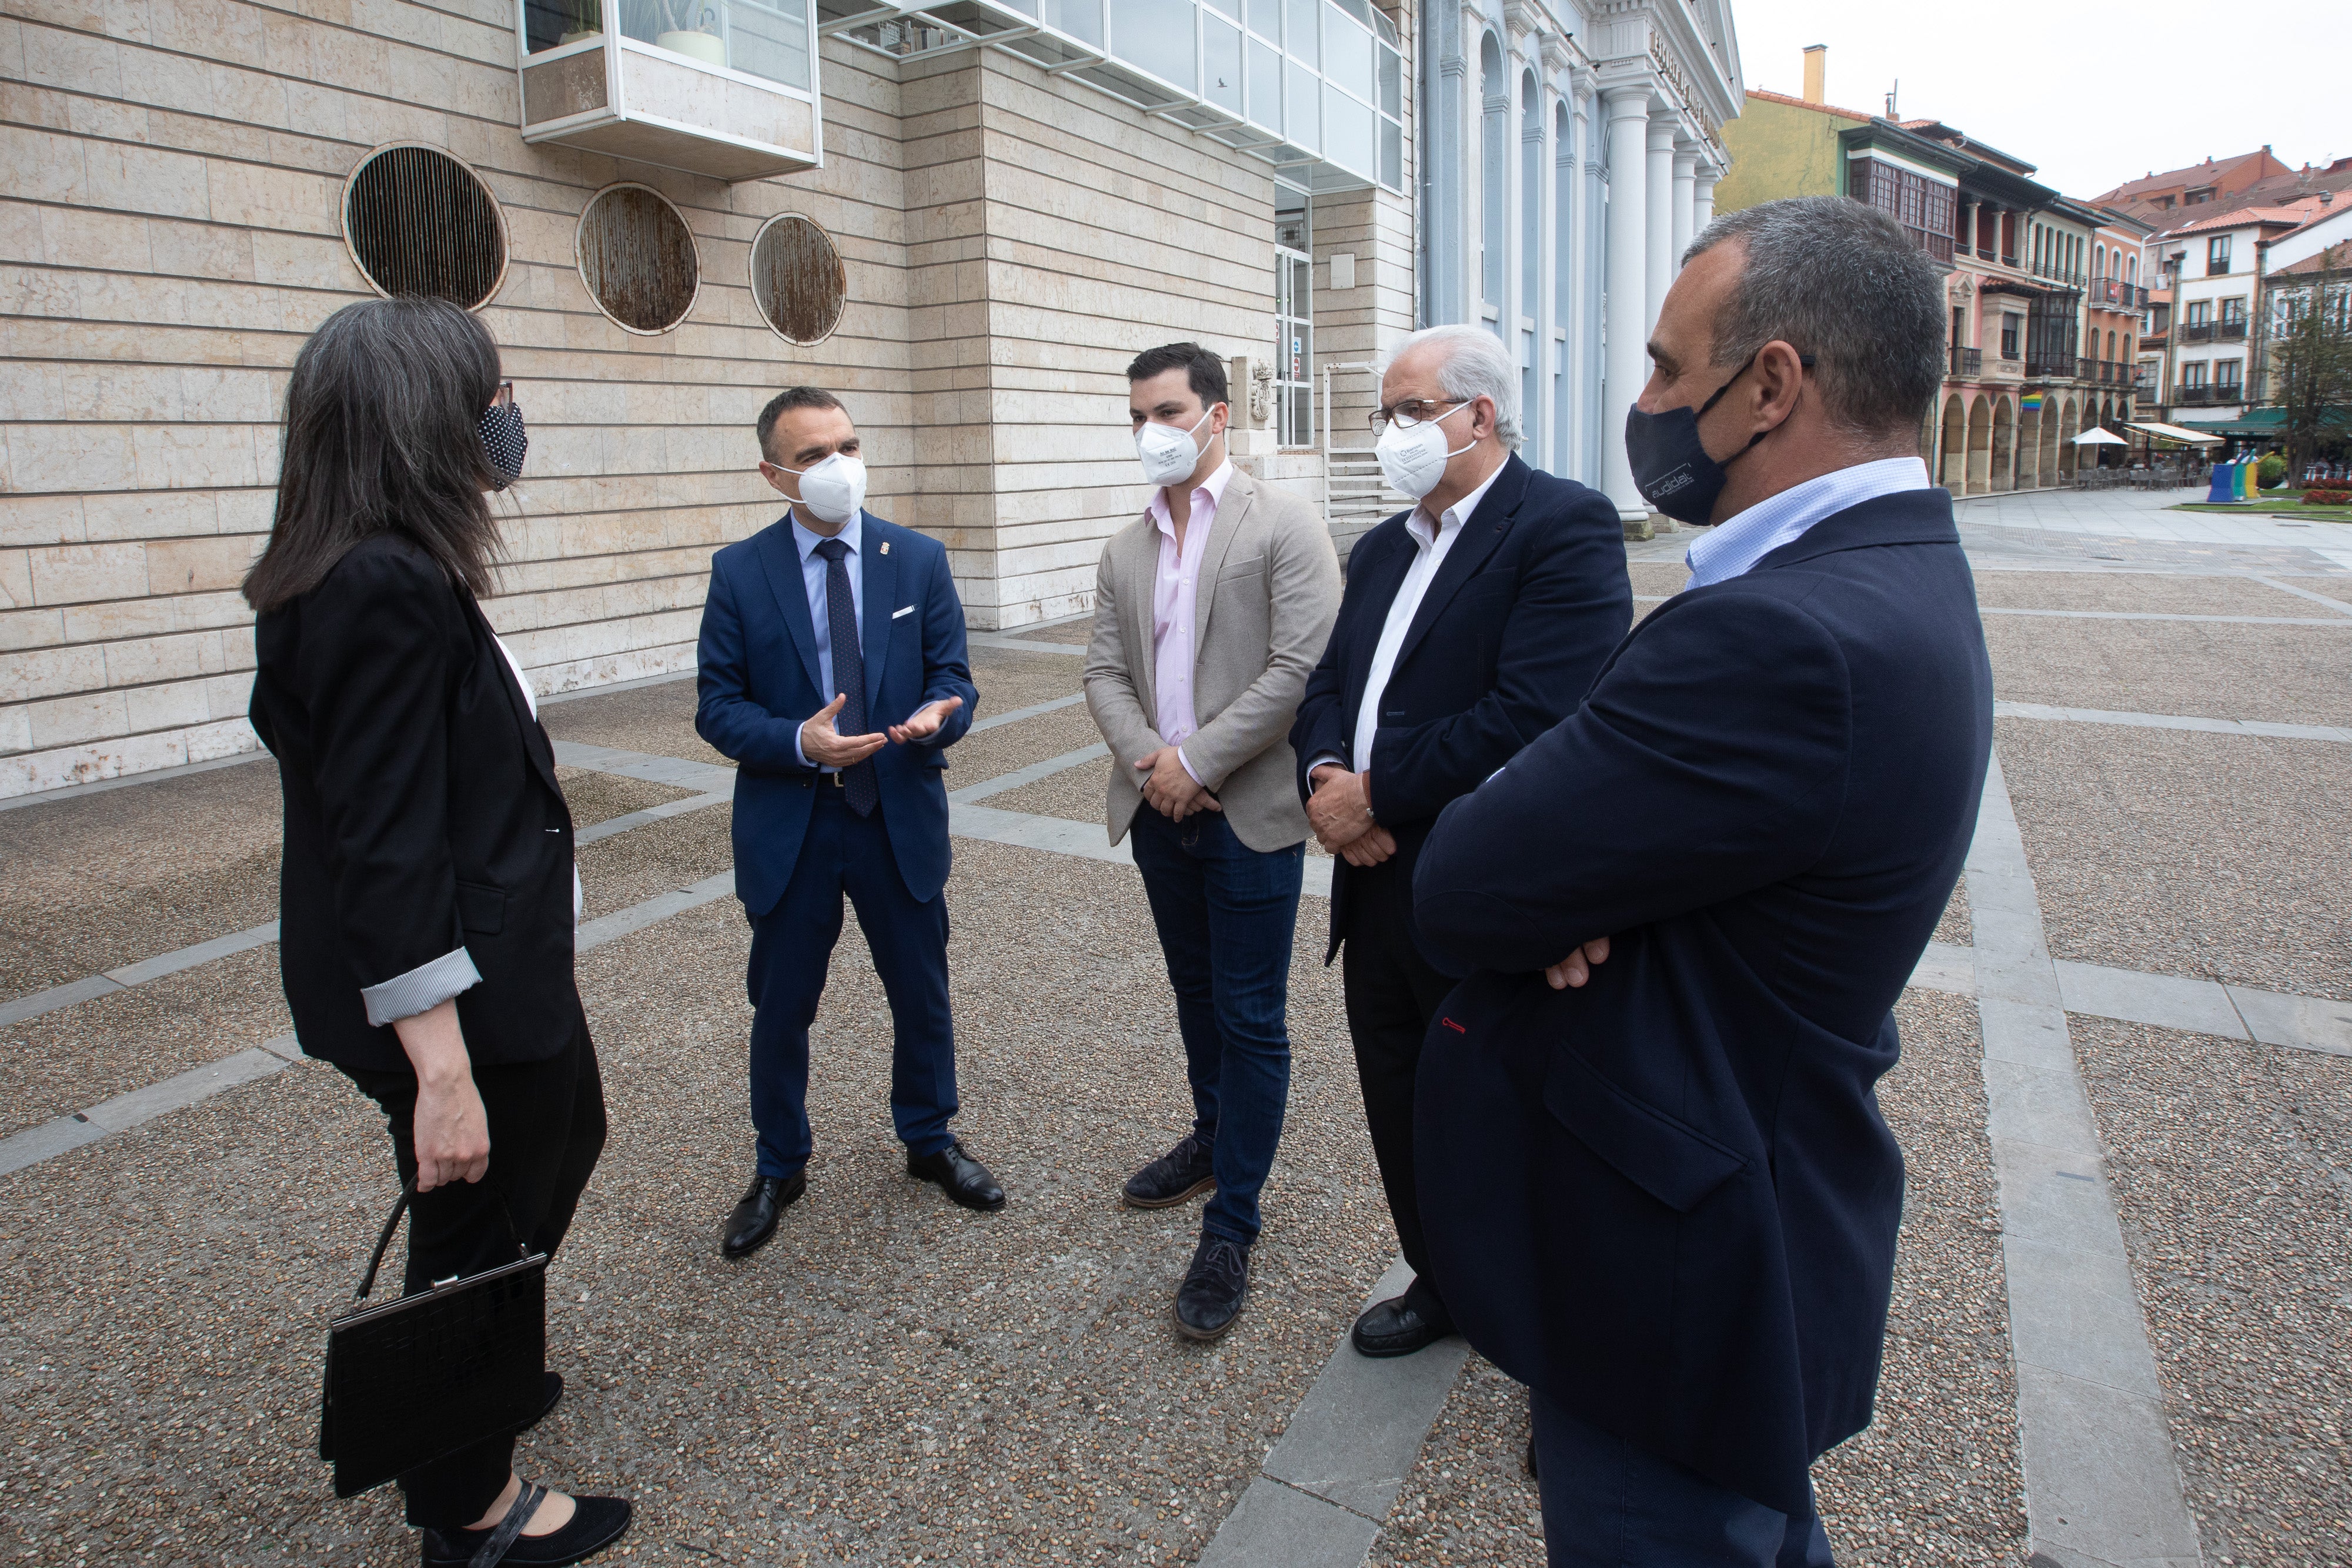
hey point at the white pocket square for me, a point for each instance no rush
(896, 613)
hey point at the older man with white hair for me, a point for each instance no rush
(1471, 624)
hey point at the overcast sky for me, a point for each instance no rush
(2094, 94)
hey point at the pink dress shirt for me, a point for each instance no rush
(1175, 591)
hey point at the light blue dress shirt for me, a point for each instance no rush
(813, 569)
(1738, 542)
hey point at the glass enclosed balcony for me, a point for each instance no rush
(1314, 88)
(721, 87)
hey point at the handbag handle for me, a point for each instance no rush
(383, 1238)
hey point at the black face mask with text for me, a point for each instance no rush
(1671, 466)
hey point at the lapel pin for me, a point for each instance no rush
(885, 547)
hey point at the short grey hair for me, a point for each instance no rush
(1476, 365)
(1842, 281)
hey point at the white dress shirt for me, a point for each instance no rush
(812, 570)
(1432, 541)
(1741, 540)
(1175, 595)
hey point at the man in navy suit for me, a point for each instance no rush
(1659, 1191)
(1469, 626)
(819, 626)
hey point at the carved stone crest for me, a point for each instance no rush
(1261, 392)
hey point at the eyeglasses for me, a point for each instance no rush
(1412, 410)
(503, 396)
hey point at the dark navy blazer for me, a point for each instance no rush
(758, 683)
(1667, 1199)
(1530, 599)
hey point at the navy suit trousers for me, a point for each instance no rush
(792, 947)
(1609, 1504)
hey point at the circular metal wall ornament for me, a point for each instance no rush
(798, 279)
(637, 258)
(418, 222)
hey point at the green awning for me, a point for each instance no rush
(2259, 422)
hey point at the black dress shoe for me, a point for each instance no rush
(1215, 1287)
(595, 1523)
(964, 1179)
(1183, 1172)
(1398, 1326)
(753, 1221)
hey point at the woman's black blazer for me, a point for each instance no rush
(422, 812)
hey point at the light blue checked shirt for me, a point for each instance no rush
(1738, 543)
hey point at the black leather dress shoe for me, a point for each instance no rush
(1183, 1172)
(753, 1221)
(963, 1178)
(1215, 1287)
(595, 1523)
(1398, 1326)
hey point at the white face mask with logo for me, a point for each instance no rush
(1168, 452)
(834, 489)
(1413, 457)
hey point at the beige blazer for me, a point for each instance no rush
(1269, 591)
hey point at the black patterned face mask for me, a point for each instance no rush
(504, 439)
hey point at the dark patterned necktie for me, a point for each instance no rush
(858, 782)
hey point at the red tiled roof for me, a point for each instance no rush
(2211, 171)
(1807, 103)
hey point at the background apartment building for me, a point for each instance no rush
(2043, 293)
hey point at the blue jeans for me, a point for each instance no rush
(1226, 914)
(1608, 1504)
(791, 948)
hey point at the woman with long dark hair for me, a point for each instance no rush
(428, 896)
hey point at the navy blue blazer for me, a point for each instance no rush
(1529, 600)
(1667, 1199)
(758, 683)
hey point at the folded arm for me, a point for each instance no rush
(1709, 761)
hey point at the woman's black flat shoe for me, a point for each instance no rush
(597, 1522)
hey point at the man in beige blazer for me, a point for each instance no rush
(1211, 610)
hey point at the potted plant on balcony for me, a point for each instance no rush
(692, 31)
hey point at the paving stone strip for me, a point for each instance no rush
(2254, 727)
(2102, 1487)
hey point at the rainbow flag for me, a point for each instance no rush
(2031, 402)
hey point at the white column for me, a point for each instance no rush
(1685, 178)
(1628, 113)
(1544, 437)
(1581, 347)
(1703, 198)
(1658, 216)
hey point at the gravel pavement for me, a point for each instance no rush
(2283, 674)
(2232, 1171)
(2144, 592)
(2213, 856)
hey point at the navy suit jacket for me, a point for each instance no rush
(1530, 599)
(1668, 1200)
(757, 683)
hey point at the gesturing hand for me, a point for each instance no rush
(925, 721)
(1170, 788)
(1577, 968)
(1340, 809)
(826, 746)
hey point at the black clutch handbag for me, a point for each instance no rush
(417, 1379)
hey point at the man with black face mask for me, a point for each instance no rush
(1655, 1177)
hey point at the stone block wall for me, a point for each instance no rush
(171, 185)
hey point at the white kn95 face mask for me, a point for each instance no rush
(1167, 453)
(1413, 458)
(834, 489)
